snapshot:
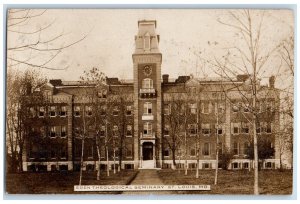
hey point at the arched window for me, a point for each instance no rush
(147, 41)
(147, 83)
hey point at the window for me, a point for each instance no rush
(246, 148)
(167, 109)
(52, 111)
(63, 131)
(41, 112)
(235, 128)
(219, 129)
(268, 128)
(235, 165)
(53, 154)
(102, 131)
(147, 41)
(52, 131)
(192, 129)
(219, 108)
(258, 110)
(128, 110)
(115, 111)
(90, 151)
(206, 165)
(258, 128)
(32, 112)
(129, 131)
(236, 148)
(235, 108)
(102, 151)
(269, 106)
(166, 152)
(247, 108)
(245, 128)
(115, 131)
(206, 149)
(206, 129)
(103, 110)
(43, 131)
(193, 108)
(147, 83)
(77, 111)
(147, 108)
(246, 165)
(269, 165)
(63, 111)
(206, 107)
(63, 152)
(128, 151)
(88, 110)
(220, 148)
(77, 149)
(167, 130)
(147, 128)
(193, 151)
(192, 90)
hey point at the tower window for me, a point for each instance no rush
(147, 128)
(147, 41)
(147, 108)
(147, 83)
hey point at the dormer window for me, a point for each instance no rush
(52, 111)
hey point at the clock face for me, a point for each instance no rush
(147, 70)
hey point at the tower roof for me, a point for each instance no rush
(146, 41)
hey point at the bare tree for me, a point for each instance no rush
(31, 44)
(97, 93)
(22, 91)
(248, 58)
(174, 121)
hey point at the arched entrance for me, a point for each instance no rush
(147, 151)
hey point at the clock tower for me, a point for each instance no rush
(147, 97)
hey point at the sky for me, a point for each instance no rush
(109, 41)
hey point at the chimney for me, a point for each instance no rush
(165, 78)
(242, 77)
(28, 88)
(55, 82)
(272, 82)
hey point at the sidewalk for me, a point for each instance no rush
(147, 177)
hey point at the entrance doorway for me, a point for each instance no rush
(147, 151)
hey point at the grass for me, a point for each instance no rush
(271, 182)
(62, 182)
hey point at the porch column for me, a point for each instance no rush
(154, 157)
(141, 154)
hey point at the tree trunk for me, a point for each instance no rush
(217, 160)
(185, 162)
(81, 161)
(173, 159)
(99, 160)
(114, 161)
(107, 161)
(197, 166)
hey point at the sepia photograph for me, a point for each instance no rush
(149, 101)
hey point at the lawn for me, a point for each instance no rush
(272, 182)
(61, 182)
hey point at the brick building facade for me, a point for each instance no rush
(143, 123)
